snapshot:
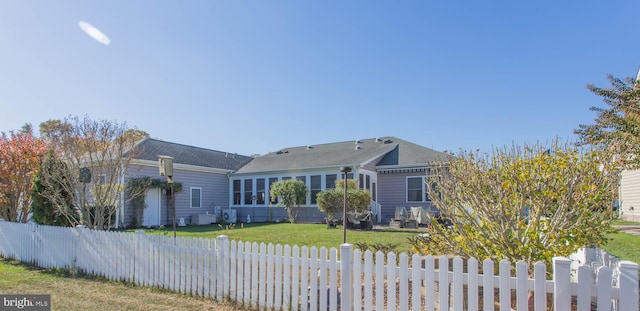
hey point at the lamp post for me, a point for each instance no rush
(344, 170)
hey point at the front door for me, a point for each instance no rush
(151, 214)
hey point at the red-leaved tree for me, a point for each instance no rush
(20, 156)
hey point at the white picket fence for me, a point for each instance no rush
(301, 278)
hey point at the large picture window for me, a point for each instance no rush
(260, 191)
(304, 180)
(271, 182)
(196, 197)
(316, 187)
(237, 194)
(330, 181)
(248, 191)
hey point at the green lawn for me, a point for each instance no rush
(622, 245)
(299, 234)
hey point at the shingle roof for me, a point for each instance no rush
(409, 153)
(395, 151)
(150, 149)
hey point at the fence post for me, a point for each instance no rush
(346, 261)
(628, 283)
(561, 283)
(220, 273)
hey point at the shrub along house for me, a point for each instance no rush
(392, 169)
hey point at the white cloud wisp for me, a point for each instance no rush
(93, 32)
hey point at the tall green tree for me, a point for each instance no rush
(522, 203)
(292, 194)
(617, 125)
(332, 201)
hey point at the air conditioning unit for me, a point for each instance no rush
(229, 216)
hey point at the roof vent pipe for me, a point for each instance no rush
(358, 147)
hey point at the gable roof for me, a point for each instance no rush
(410, 154)
(150, 149)
(393, 151)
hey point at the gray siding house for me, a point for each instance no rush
(203, 173)
(392, 169)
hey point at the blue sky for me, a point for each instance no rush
(256, 76)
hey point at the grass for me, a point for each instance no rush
(623, 245)
(625, 223)
(80, 292)
(298, 234)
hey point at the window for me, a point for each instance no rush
(316, 187)
(271, 182)
(260, 191)
(360, 181)
(248, 191)
(374, 192)
(349, 175)
(415, 189)
(236, 192)
(426, 192)
(304, 180)
(196, 197)
(330, 181)
(286, 178)
(367, 183)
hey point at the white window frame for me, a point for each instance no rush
(191, 197)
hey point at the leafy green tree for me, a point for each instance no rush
(292, 193)
(332, 201)
(45, 211)
(618, 125)
(525, 203)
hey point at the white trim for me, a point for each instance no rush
(191, 197)
(185, 167)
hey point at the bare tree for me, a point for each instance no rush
(97, 155)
